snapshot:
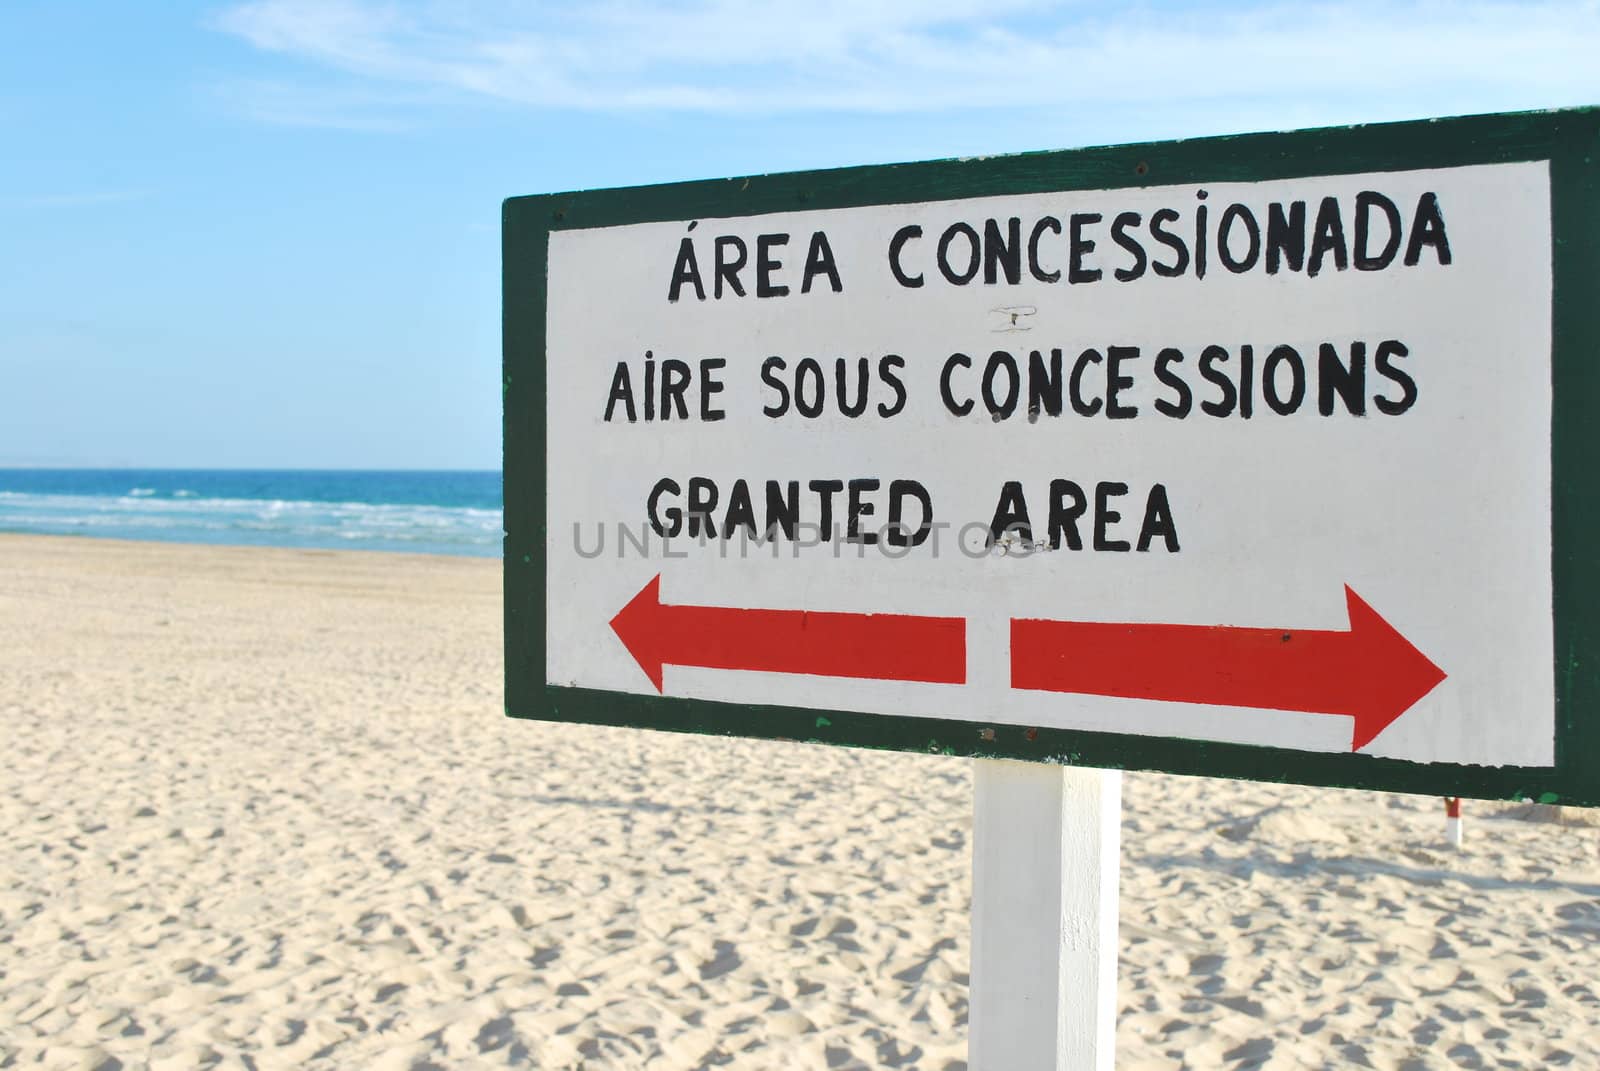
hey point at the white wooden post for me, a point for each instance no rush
(1046, 847)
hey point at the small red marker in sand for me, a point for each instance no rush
(1452, 820)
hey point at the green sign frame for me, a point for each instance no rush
(1569, 140)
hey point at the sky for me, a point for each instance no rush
(266, 234)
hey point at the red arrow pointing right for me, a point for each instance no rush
(1370, 672)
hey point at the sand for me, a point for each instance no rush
(259, 809)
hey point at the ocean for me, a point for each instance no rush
(422, 512)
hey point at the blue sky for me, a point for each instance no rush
(266, 233)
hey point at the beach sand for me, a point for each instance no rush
(260, 809)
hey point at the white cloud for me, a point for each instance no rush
(340, 107)
(718, 56)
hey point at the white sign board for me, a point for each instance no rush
(1226, 449)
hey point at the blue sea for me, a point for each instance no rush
(422, 512)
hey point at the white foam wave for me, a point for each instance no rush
(268, 521)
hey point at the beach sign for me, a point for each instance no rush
(1269, 457)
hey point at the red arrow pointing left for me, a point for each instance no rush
(875, 646)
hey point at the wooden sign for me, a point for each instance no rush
(1267, 457)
